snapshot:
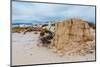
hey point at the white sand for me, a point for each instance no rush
(25, 51)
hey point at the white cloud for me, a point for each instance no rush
(43, 12)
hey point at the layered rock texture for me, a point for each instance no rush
(74, 36)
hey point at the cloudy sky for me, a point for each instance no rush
(25, 12)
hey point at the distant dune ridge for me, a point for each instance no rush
(74, 36)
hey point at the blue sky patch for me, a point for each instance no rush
(42, 12)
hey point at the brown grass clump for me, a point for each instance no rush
(22, 29)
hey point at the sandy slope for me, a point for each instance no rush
(25, 51)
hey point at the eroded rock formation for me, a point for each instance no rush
(73, 36)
